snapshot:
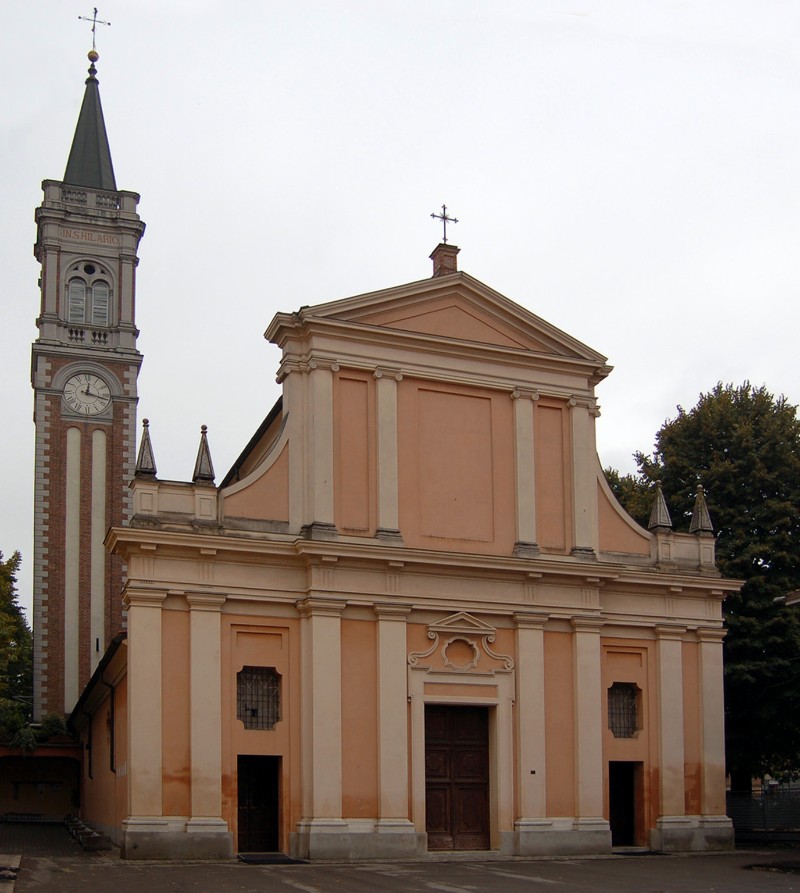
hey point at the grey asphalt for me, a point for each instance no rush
(64, 869)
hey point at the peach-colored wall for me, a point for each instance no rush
(257, 641)
(456, 468)
(559, 723)
(553, 464)
(255, 457)
(615, 534)
(175, 713)
(631, 660)
(267, 497)
(104, 795)
(359, 719)
(692, 742)
(354, 453)
(121, 747)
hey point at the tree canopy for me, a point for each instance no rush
(15, 639)
(743, 445)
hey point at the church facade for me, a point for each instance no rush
(411, 618)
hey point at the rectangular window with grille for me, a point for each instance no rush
(258, 697)
(623, 709)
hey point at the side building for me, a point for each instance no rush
(412, 617)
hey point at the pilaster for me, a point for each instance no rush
(588, 728)
(524, 402)
(388, 511)
(713, 723)
(205, 731)
(584, 481)
(321, 833)
(144, 703)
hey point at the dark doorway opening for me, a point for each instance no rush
(258, 804)
(457, 777)
(623, 789)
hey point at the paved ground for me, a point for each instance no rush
(67, 870)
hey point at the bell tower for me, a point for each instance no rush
(84, 370)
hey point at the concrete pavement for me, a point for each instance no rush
(66, 870)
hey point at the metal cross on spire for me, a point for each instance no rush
(445, 220)
(95, 22)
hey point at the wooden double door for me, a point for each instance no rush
(457, 777)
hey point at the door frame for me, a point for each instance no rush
(495, 690)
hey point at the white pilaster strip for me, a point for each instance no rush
(72, 551)
(145, 726)
(670, 701)
(531, 764)
(388, 513)
(321, 709)
(526, 479)
(713, 722)
(206, 701)
(588, 718)
(322, 444)
(392, 711)
(584, 481)
(98, 553)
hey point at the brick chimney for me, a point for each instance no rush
(444, 259)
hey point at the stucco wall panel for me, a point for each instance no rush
(692, 735)
(175, 707)
(354, 453)
(560, 723)
(553, 473)
(617, 532)
(267, 497)
(456, 466)
(359, 720)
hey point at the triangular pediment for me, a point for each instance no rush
(458, 308)
(462, 623)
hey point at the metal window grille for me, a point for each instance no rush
(623, 701)
(258, 697)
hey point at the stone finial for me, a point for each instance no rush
(701, 520)
(203, 467)
(659, 514)
(444, 259)
(145, 460)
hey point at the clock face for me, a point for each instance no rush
(87, 394)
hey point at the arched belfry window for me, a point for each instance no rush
(258, 697)
(624, 710)
(89, 295)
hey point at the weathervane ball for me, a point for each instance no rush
(93, 56)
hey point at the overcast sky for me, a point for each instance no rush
(626, 169)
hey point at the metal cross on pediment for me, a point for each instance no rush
(445, 220)
(95, 22)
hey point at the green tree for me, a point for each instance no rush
(633, 491)
(743, 445)
(16, 647)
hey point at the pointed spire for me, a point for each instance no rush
(659, 515)
(701, 520)
(145, 461)
(203, 467)
(89, 161)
